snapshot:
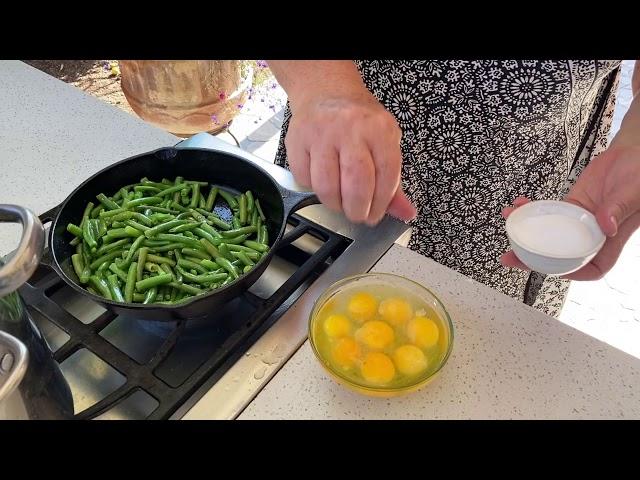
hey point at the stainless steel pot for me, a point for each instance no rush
(31, 383)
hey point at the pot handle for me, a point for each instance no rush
(14, 358)
(293, 200)
(25, 259)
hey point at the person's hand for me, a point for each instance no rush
(346, 148)
(610, 189)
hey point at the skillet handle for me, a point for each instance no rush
(294, 201)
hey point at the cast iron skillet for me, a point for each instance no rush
(226, 170)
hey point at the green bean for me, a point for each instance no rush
(101, 286)
(106, 258)
(192, 252)
(130, 282)
(137, 297)
(144, 201)
(118, 271)
(176, 188)
(260, 212)
(184, 263)
(195, 196)
(87, 213)
(89, 236)
(118, 225)
(142, 259)
(202, 234)
(209, 247)
(264, 233)
(176, 194)
(242, 215)
(75, 241)
(228, 197)
(180, 208)
(188, 242)
(147, 188)
(137, 226)
(243, 258)
(78, 266)
(250, 201)
(110, 246)
(229, 279)
(107, 202)
(226, 264)
(255, 218)
(205, 279)
(260, 247)
(211, 199)
(209, 264)
(238, 231)
(119, 215)
(116, 233)
(246, 269)
(103, 266)
(150, 296)
(156, 209)
(251, 255)
(159, 260)
(186, 288)
(163, 227)
(184, 228)
(235, 240)
(167, 269)
(155, 281)
(215, 219)
(242, 248)
(132, 250)
(97, 210)
(235, 222)
(159, 186)
(166, 248)
(259, 236)
(74, 230)
(210, 230)
(114, 288)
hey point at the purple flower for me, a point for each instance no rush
(240, 106)
(222, 95)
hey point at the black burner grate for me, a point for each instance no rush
(188, 354)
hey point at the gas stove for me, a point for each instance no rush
(125, 368)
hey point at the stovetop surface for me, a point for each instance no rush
(123, 367)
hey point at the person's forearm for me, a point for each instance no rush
(304, 79)
(629, 133)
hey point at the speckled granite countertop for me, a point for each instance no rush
(509, 361)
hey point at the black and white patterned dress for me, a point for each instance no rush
(478, 134)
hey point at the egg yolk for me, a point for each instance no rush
(409, 360)
(395, 311)
(375, 334)
(423, 332)
(362, 306)
(337, 326)
(377, 368)
(346, 352)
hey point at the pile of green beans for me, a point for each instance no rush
(163, 243)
